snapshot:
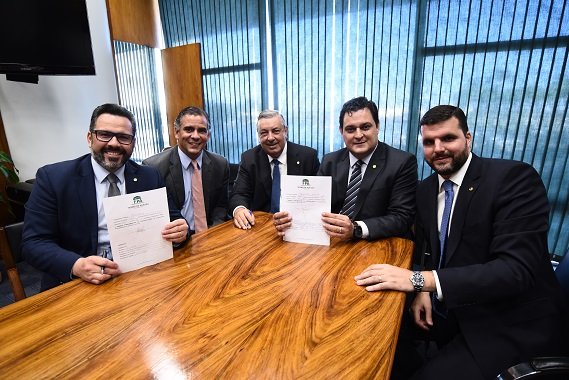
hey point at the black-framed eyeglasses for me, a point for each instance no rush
(106, 136)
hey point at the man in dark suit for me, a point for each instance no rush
(494, 300)
(192, 131)
(383, 204)
(252, 189)
(65, 231)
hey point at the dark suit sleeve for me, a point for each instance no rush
(243, 187)
(41, 234)
(506, 237)
(401, 209)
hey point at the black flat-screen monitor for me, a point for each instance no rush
(45, 37)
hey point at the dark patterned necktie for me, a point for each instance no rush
(276, 189)
(113, 187)
(349, 206)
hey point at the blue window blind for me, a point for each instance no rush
(138, 89)
(229, 33)
(502, 61)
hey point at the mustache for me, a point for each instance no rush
(113, 149)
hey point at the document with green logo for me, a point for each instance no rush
(306, 198)
(135, 222)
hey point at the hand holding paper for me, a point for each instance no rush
(135, 222)
(305, 198)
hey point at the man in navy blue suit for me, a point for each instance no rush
(65, 231)
(489, 297)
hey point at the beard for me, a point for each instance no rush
(457, 161)
(112, 164)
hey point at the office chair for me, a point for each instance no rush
(10, 249)
(550, 368)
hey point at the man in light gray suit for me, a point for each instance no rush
(192, 131)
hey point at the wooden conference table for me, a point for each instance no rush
(232, 304)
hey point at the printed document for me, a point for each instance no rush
(135, 222)
(306, 198)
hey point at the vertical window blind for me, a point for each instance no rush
(230, 37)
(502, 61)
(138, 89)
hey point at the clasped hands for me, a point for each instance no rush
(96, 269)
(335, 225)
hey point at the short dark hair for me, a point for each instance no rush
(112, 109)
(357, 104)
(442, 113)
(191, 110)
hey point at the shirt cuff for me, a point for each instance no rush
(365, 230)
(235, 209)
(438, 285)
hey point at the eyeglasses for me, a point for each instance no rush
(106, 136)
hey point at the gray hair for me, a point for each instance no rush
(269, 114)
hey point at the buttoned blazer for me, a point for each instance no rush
(386, 199)
(215, 181)
(253, 185)
(497, 278)
(61, 220)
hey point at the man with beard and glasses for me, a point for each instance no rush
(489, 298)
(257, 186)
(65, 230)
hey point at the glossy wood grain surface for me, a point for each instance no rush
(233, 304)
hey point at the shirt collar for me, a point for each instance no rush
(366, 159)
(101, 173)
(457, 177)
(187, 161)
(282, 157)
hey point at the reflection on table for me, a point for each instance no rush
(231, 304)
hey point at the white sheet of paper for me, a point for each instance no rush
(135, 222)
(306, 198)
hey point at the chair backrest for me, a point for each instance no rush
(562, 274)
(10, 249)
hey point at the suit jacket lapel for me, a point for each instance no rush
(375, 166)
(175, 178)
(464, 197)
(343, 170)
(87, 196)
(293, 160)
(431, 206)
(264, 172)
(206, 170)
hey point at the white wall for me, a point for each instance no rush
(48, 122)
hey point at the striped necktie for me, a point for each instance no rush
(349, 206)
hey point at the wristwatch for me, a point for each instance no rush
(357, 232)
(418, 281)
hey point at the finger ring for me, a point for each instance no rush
(102, 270)
(341, 230)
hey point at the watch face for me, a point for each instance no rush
(358, 231)
(418, 281)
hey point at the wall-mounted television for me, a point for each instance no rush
(45, 37)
